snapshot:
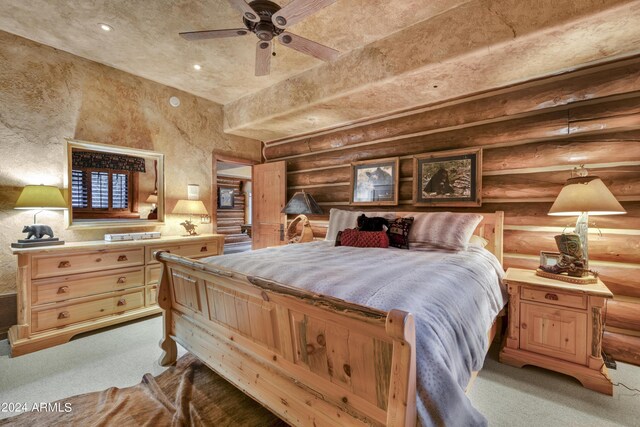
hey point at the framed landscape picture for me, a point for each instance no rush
(375, 182)
(225, 197)
(448, 178)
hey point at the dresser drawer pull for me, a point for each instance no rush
(64, 264)
(523, 326)
(203, 249)
(63, 315)
(122, 258)
(552, 297)
(122, 279)
(63, 290)
(122, 302)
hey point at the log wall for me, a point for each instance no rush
(229, 221)
(533, 135)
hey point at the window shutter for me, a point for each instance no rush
(120, 191)
(79, 189)
(99, 190)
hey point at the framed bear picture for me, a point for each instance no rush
(448, 178)
(374, 182)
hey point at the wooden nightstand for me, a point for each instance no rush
(558, 326)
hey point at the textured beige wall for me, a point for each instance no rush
(47, 95)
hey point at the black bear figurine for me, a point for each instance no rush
(37, 230)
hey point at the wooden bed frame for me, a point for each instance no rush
(310, 359)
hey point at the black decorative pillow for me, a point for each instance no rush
(376, 223)
(399, 232)
(339, 239)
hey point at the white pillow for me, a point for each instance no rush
(447, 230)
(478, 241)
(340, 219)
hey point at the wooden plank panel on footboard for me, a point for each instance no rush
(311, 359)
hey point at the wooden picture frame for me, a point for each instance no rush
(225, 197)
(448, 178)
(374, 182)
(549, 259)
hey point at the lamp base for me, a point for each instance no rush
(585, 280)
(31, 243)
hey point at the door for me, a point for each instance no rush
(554, 332)
(269, 198)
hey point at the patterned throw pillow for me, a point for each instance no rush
(364, 239)
(399, 232)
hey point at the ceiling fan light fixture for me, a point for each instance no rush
(286, 39)
(281, 20)
(105, 27)
(250, 16)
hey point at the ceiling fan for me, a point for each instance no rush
(267, 20)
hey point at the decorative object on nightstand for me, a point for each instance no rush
(557, 326)
(301, 204)
(581, 196)
(191, 207)
(40, 197)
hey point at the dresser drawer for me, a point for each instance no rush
(60, 265)
(191, 250)
(554, 297)
(81, 285)
(152, 295)
(66, 314)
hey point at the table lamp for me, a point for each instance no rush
(191, 207)
(581, 196)
(39, 197)
(153, 199)
(300, 204)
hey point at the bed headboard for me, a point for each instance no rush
(491, 228)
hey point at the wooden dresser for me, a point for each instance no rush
(557, 325)
(81, 286)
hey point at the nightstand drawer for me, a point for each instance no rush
(554, 297)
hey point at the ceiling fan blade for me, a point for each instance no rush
(263, 57)
(247, 11)
(297, 10)
(308, 47)
(214, 34)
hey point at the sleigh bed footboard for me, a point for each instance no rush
(310, 359)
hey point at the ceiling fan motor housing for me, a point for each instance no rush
(265, 30)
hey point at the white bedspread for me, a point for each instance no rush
(454, 297)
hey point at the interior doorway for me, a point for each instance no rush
(232, 201)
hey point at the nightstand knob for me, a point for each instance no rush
(63, 315)
(122, 258)
(523, 326)
(552, 297)
(122, 302)
(63, 290)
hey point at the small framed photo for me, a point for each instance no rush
(375, 182)
(225, 197)
(549, 259)
(448, 178)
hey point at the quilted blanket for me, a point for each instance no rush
(454, 297)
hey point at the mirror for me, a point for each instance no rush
(111, 186)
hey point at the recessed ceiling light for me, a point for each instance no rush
(197, 67)
(105, 27)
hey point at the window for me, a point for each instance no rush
(102, 192)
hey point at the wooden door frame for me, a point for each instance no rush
(220, 157)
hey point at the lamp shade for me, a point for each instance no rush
(41, 197)
(190, 207)
(302, 203)
(585, 194)
(153, 198)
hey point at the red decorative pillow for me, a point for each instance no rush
(364, 239)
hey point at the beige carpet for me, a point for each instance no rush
(119, 357)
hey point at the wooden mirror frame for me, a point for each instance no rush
(106, 148)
